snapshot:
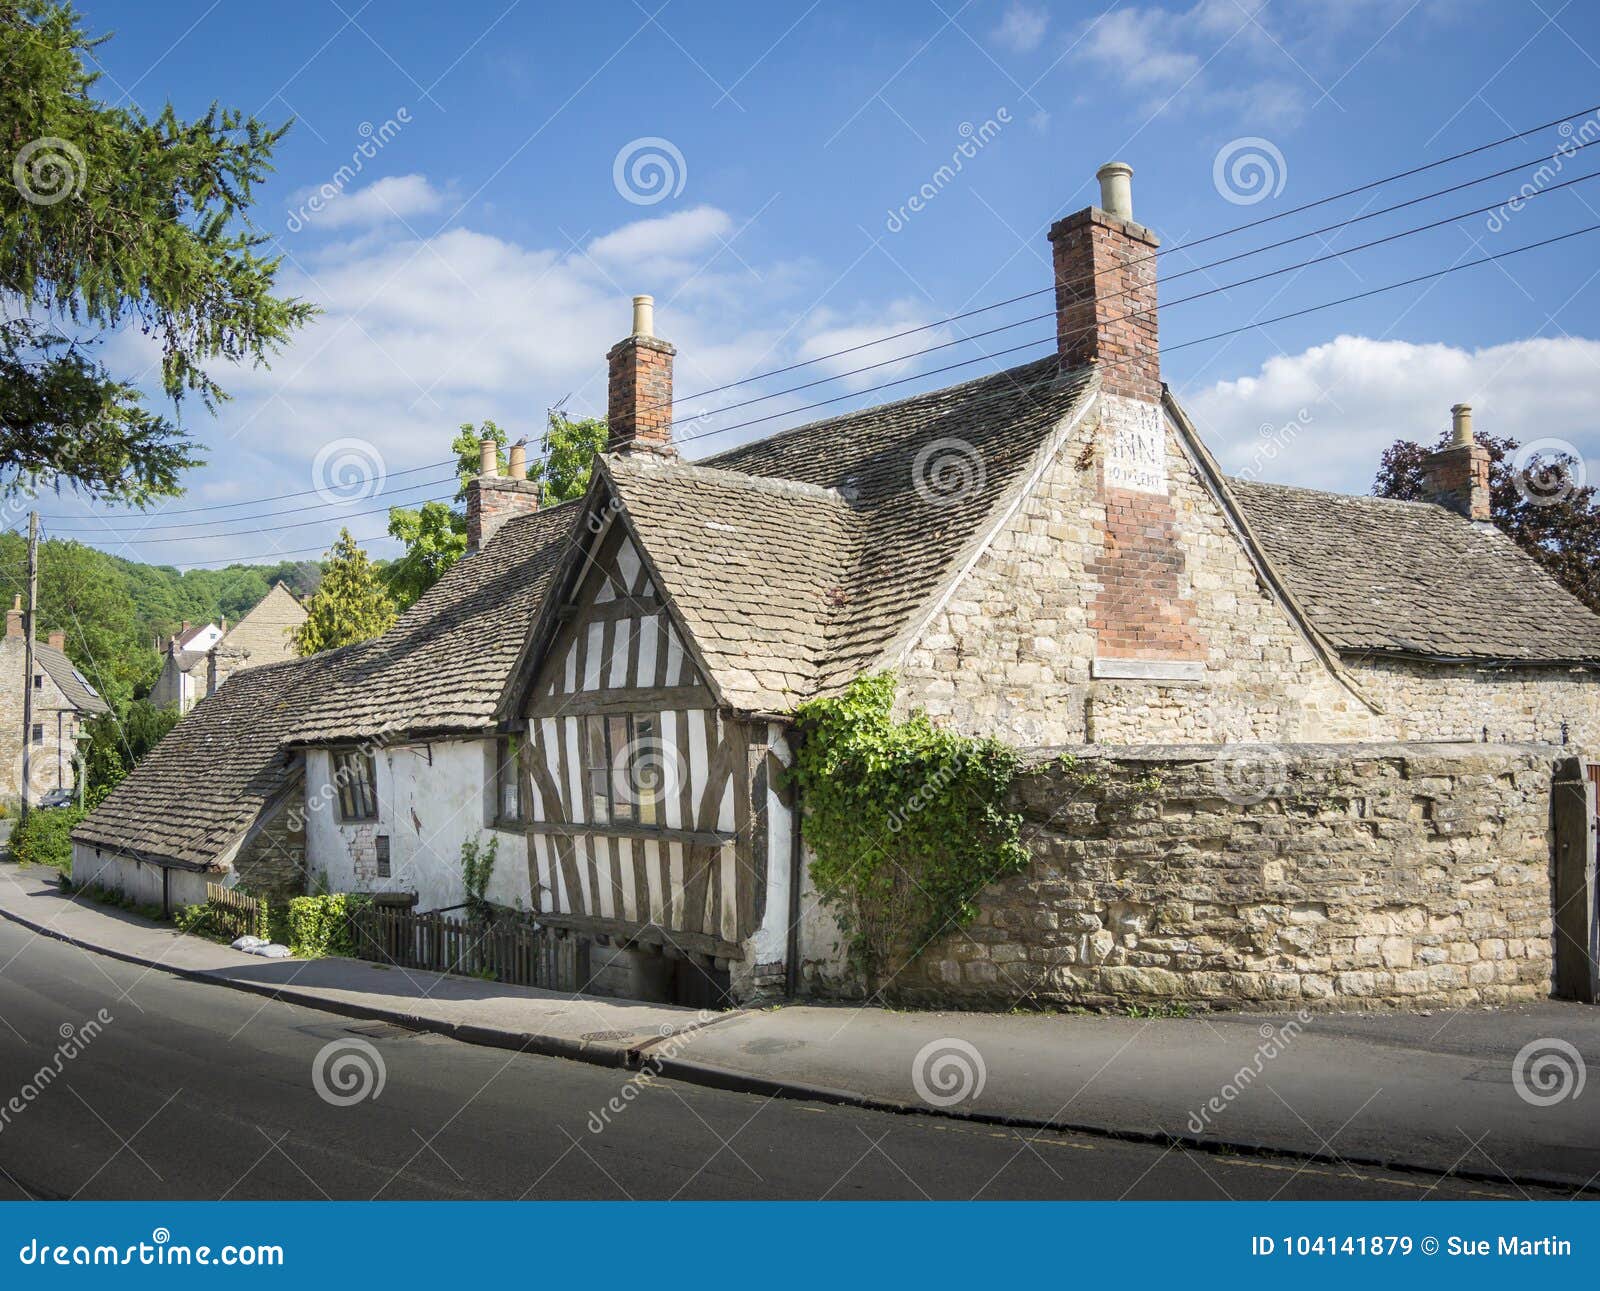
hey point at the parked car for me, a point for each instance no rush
(57, 798)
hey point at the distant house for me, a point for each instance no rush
(63, 700)
(1047, 554)
(198, 659)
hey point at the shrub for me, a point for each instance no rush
(321, 925)
(907, 820)
(45, 838)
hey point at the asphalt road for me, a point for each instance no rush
(197, 1091)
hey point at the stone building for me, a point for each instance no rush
(1047, 554)
(63, 700)
(196, 660)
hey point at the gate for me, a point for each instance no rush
(1575, 815)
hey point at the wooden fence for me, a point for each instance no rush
(507, 950)
(234, 913)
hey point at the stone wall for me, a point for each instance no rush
(1313, 876)
(272, 861)
(1012, 652)
(1471, 702)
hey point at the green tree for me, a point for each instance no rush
(435, 535)
(1540, 503)
(109, 218)
(435, 538)
(570, 445)
(350, 605)
(118, 740)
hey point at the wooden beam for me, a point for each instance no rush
(697, 838)
(645, 700)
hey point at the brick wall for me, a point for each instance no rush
(1379, 876)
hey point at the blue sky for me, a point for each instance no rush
(477, 262)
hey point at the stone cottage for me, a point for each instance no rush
(63, 700)
(1048, 554)
(196, 660)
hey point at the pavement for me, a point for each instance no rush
(1479, 1094)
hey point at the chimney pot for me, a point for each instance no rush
(488, 458)
(519, 461)
(1461, 422)
(644, 315)
(1116, 190)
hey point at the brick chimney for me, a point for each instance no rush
(639, 394)
(1458, 476)
(58, 640)
(14, 618)
(492, 498)
(1105, 271)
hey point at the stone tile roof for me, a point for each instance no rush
(1377, 575)
(443, 665)
(754, 566)
(919, 478)
(186, 661)
(205, 783)
(80, 694)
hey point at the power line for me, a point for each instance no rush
(301, 524)
(279, 497)
(1202, 340)
(1194, 242)
(1182, 300)
(1215, 336)
(94, 531)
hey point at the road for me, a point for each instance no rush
(196, 1091)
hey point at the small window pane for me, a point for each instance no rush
(509, 779)
(648, 769)
(354, 777)
(596, 769)
(623, 796)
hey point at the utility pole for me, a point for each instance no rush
(27, 658)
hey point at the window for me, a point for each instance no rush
(508, 779)
(38, 733)
(357, 781)
(626, 769)
(38, 681)
(382, 845)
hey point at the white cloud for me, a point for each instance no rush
(1022, 28)
(397, 197)
(666, 239)
(1322, 418)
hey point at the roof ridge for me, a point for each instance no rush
(1376, 499)
(880, 408)
(780, 485)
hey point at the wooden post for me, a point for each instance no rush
(1577, 948)
(28, 626)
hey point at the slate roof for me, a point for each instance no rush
(1378, 575)
(208, 779)
(80, 694)
(186, 661)
(442, 666)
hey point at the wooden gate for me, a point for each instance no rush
(1575, 815)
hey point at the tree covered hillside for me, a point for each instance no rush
(113, 610)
